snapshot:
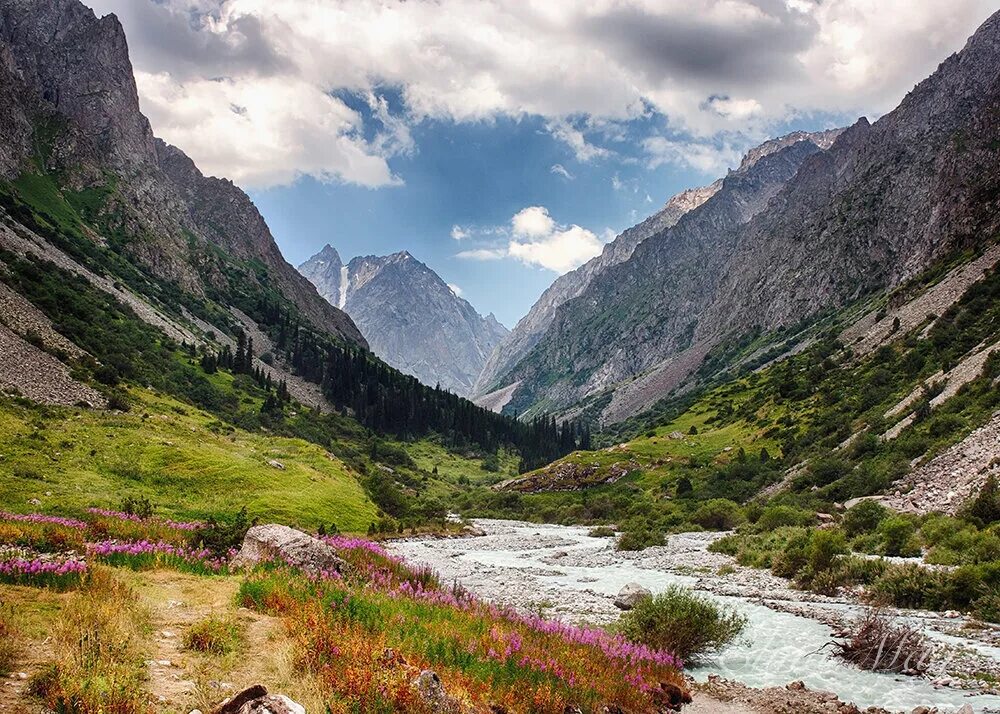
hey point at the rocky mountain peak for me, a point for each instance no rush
(409, 315)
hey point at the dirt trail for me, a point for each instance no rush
(181, 680)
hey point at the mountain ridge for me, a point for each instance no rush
(409, 315)
(882, 203)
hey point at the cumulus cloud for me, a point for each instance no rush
(459, 233)
(534, 238)
(707, 68)
(455, 289)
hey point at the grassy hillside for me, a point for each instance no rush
(180, 458)
(829, 424)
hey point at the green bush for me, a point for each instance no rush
(779, 516)
(639, 534)
(213, 635)
(863, 518)
(689, 625)
(897, 534)
(719, 514)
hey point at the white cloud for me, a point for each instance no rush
(708, 158)
(710, 67)
(232, 128)
(534, 238)
(559, 251)
(561, 171)
(583, 150)
(482, 254)
(459, 233)
(532, 222)
(455, 289)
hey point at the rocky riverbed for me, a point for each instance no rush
(564, 573)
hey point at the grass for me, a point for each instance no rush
(100, 647)
(347, 644)
(170, 453)
(11, 644)
(214, 635)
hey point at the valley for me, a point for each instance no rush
(741, 457)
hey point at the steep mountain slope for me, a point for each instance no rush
(409, 315)
(875, 209)
(72, 120)
(531, 327)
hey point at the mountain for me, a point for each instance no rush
(489, 390)
(72, 125)
(411, 318)
(801, 231)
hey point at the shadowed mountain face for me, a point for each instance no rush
(409, 315)
(532, 327)
(69, 112)
(800, 230)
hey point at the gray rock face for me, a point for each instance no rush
(65, 76)
(801, 230)
(633, 314)
(277, 542)
(409, 315)
(630, 596)
(532, 326)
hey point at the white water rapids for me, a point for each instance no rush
(574, 577)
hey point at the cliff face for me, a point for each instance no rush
(800, 230)
(409, 315)
(71, 112)
(532, 327)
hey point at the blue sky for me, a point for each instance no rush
(478, 176)
(502, 142)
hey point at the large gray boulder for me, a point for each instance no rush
(630, 596)
(277, 542)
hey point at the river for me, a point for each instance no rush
(566, 574)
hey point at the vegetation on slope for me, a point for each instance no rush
(358, 642)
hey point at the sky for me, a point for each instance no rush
(504, 143)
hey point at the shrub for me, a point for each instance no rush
(213, 635)
(139, 507)
(863, 518)
(879, 645)
(220, 536)
(689, 625)
(986, 506)
(824, 547)
(639, 535)
(601, 532)
(897, 533)
(719, 514)
(778, 516)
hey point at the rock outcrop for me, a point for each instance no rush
(411, 318)
(277, 542)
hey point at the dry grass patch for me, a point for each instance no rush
(99, 644)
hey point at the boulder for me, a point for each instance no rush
(276, 542)
(256, 700)
(630, 596)
(431, 691)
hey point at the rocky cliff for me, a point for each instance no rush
(801, 230)
(71, 114)
(409, 315)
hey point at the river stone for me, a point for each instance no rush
(630, 596)
(273, 541)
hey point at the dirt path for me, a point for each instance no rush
(181, 680)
